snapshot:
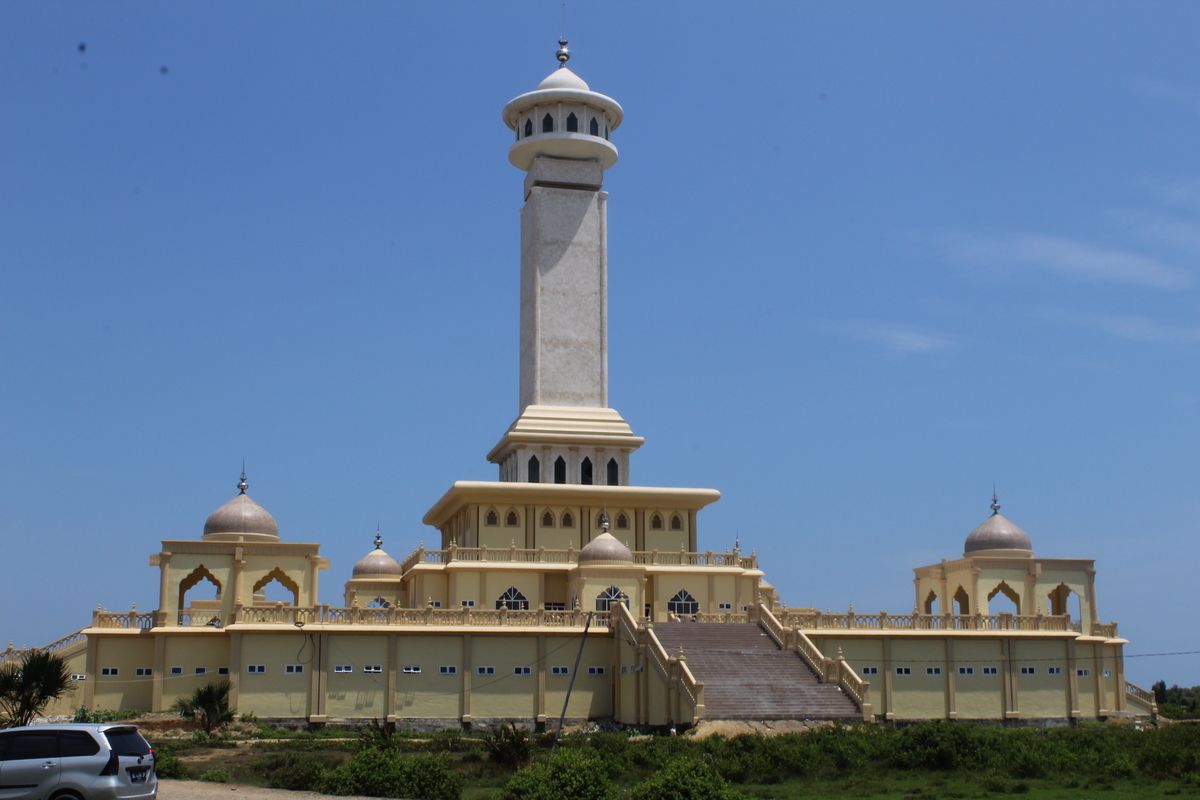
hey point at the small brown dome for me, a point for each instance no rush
(998, 532)
(241, 519)
(605, 549)
(377, 563)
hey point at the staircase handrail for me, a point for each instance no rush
(673, 670)
(1138, 694)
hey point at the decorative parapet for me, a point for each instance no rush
(1139, 696)
(428, 616)
(808, 619)
(829, 670)
(129, 620)
(542, 555)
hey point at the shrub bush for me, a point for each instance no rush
(215, 775)
(168, 765)
(381, 772)
(685, 778)
(569, 773)
(509, 746)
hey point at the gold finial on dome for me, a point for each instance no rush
(563, 54)
(242, 484)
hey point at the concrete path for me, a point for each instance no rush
(200, 790)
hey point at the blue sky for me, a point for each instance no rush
(865, 259)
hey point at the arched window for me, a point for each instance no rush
(512, 600)
(676, 523)
(197, 575)
(931, 603)
(547, 124)
(511, 519)
(614, 472)
(1064, 601)
(683, 603)
(962, 603)
(568, 521)
(379, 602)
(535, 470)
(609, 596)
(547, 520)
(594, 127)
(622, 522)
(572, 123)
(1007, 591)
(492, 518)
(268, 581)
(529, 127)
(585, 472)
(560, 470)
(656, 523)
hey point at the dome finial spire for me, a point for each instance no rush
(563, 54)
(995, 500)
(378, 538)
(242, 484)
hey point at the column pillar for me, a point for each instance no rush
(235, 670)
(1072, 681)
(541, 680)
(951, 681)
(466, 679)
(160, 667)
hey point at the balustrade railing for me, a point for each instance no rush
(673, 669)
(461, 617)
(1139, 695)
(123, 619)
(808, 619)
(542, 555)
(830, 670)
(195, 619)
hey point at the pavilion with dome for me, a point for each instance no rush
(565, 587)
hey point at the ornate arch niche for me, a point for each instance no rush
(1002, 588)
(193, 578)
(1064, 600)
(961, 602)
(931, 604)
(274, 575)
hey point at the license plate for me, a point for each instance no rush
(138, 775)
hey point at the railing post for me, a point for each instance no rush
(541, 553)
(883, 620)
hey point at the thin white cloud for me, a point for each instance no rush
(1181, 234)
(1068, 258)
(897, 338)
(1130, 327)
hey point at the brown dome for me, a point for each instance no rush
(605, 549)
(241, 519)
(377, 563)
(998, 532)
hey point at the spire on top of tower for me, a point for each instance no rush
(995, 501)
(242, 485)
(563, 54)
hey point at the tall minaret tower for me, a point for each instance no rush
(565, 432)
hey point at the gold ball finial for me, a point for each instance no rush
(563, 54)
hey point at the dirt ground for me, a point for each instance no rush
(198, 790)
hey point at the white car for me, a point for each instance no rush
(76, 762)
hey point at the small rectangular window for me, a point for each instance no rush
(990, 671)
(254, 669)
(468, 603)
(408, 669)
(725, 606)
(293, 669)
(595, 670)
(1029, 670)
(554, 606)
(870, 670)
(560, 671)
(1108, 673)
(176, 670)
(201, 670)
(343, 668)
(222, 670)
(933, 670)
(966, 670)
(1054, 670)
(78, 676)
(904, 670)
(1082, 673)
(143, 672)
(435, 603)
(110, 672)
(448, 669)
(485, 670)
(376, 669)
(521, 670)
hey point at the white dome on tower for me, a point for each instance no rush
(563, 118)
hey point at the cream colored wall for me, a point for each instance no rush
(1041, 695)
(979, 696)
(468, 585)
(666, 539)
(182, 565)
(667, 584)
(504, 694)
(990, 578)
(429, 694)
(556, 537)
(430, 585)
(918, 696)
(295, 567)
(208, 649)
(357, 694)
(75, 658)
(594, 581)
(496, 583)
(501, 535)
(125, 690)
(1085, 658)
(1076, 581)
(275, 693)
(592, 696)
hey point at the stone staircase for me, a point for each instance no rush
(747, 676)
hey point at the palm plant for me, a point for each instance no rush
(208, 705)
(27, 687)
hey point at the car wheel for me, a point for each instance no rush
(66, 796)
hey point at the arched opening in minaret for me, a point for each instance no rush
(1013, 606)
(547, 124)
(594, 127)
(932, 606)
(529, 127)
(614, 472)
(1064, 601)
(560, 470)
(572, 123)
(585, 472)
(276, 588)
(535, 470)
(197, 575)
(961, 602)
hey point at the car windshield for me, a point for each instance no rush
(127, 742)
